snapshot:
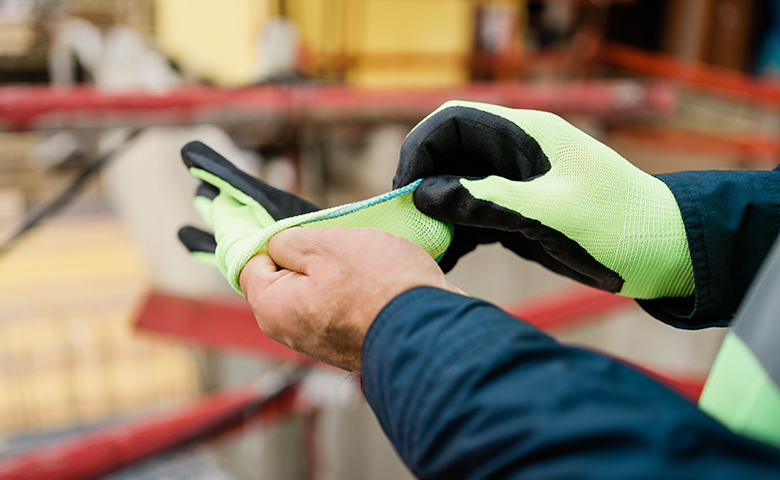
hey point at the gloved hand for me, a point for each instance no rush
(244, 213)
(550, 193)
(265, 201)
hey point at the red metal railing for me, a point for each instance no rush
(99, 452)
(717, 79)
(33, 107)
(232, 326)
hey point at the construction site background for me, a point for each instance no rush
(315, 97)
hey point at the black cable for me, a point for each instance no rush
(80, 180)
(236, 417)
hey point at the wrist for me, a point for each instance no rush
(731, 219)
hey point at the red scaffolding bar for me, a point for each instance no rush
(87, 107)
(97, 453)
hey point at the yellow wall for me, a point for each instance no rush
(387, 43)
(214, 39)
(372, 43)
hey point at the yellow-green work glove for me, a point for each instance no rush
(244, 213)
(549, 192)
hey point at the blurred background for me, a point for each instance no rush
(121, 356)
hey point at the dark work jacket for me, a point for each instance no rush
(731, 220)
(465, 391)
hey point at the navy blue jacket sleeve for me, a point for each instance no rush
(464, 391)
(731, 219)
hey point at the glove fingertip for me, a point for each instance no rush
(278, 203)
(196, 240)
(443, 198)
(193, 153)
(207, 190)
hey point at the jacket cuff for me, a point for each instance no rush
(731, 220)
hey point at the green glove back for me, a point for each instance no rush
(242, 224)
(570, 202)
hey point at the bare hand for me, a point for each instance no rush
(319, 289)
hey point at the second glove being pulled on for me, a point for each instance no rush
(244, 213)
